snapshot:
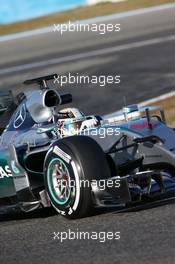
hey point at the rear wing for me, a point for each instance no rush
(42, 81)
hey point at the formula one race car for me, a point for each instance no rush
(62, 158)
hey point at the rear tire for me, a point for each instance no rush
(77, 160)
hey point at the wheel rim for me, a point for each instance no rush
(59, 181)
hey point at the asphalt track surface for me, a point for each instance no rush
(147, 236)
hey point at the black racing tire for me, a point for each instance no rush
(76, 159)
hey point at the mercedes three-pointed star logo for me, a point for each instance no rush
(20, 117)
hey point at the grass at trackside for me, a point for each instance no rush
(79, 14)
(169, 107)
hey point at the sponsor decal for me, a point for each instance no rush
(62, 154)
(5, 172)
(142, 125)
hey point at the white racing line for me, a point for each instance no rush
(157, 99)
(88, 54)
(145, 103)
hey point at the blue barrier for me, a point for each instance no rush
(16, 10)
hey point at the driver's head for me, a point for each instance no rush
(69, 121)
(69, 113)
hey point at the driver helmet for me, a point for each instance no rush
(69, 121)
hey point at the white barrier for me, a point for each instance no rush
(92, 2)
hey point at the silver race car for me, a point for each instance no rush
(62, 158)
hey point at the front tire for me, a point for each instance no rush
(70, 166)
